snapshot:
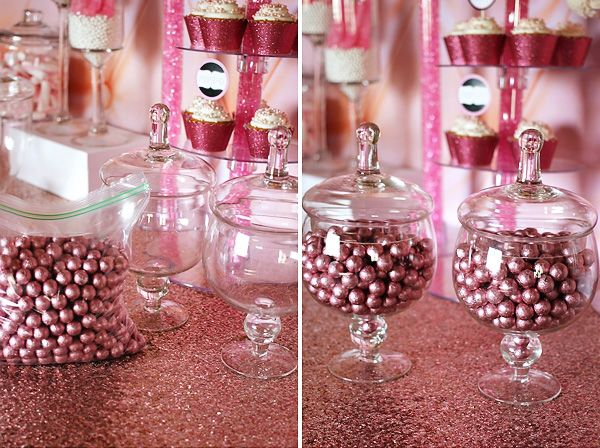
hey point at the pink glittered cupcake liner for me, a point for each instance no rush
(526, 50)
(571, 51)
(192, 23)
(272, 38)
(258, 141)
(471, 151)
(455, 52)
(482, 49)
(222, 34)
(210, 137)
(546, 155)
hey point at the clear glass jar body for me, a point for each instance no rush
(256, 272)
(521, 284)
(30, 50)
(368, 269)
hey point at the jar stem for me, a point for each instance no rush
(368, 333)
(152, 289)
(520, 352)
(261, 330)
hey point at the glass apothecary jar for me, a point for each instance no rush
(251, 260)
(368, 251)
(169, 237)
(30, 50)
(525, 264)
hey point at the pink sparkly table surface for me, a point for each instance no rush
(437, 403)
(175, 393)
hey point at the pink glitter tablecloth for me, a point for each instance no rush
(437, 404)
(175, 393)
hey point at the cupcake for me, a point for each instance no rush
(192, 23)
(208, 125)
(548, 148)
(222, 24)
(273, 30)
(452, 41)
(531, 43)
(482, 41)
(264, 119)
(572, 45)
(471, 141)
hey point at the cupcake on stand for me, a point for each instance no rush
(572, 45)
(208, 125)
(257, 131)
(273, 30)
(531, 43)
(471, 142)
(482, 41)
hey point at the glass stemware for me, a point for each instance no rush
(352, 50)
(169, 237)
(525, 263)
(251, 260)
(96, 30)
(368, 251)
(316, 15)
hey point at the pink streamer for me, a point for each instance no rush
(430, 105)
(171, 96)
(353, 29)
(172, 64)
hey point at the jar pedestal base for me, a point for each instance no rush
(350, 366)
(170, 316)
(502, 386)
(276, 363)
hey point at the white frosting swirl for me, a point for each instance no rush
(209, 111)
(219, 9)
(531, 26)
(459, 29)
(471, 127)
(585, 8)
(538, 126)
(269, 118)
(482, 25)
(571, 29)
(274, 12)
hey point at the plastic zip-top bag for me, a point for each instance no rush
(62, 270)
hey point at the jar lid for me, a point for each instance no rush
(367, 196)
(263, 202)
(31, 30)
(170, 172)
(14, 87)
(527, 206)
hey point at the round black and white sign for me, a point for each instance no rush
(481, 5)
(474, 95)
(212, 79)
